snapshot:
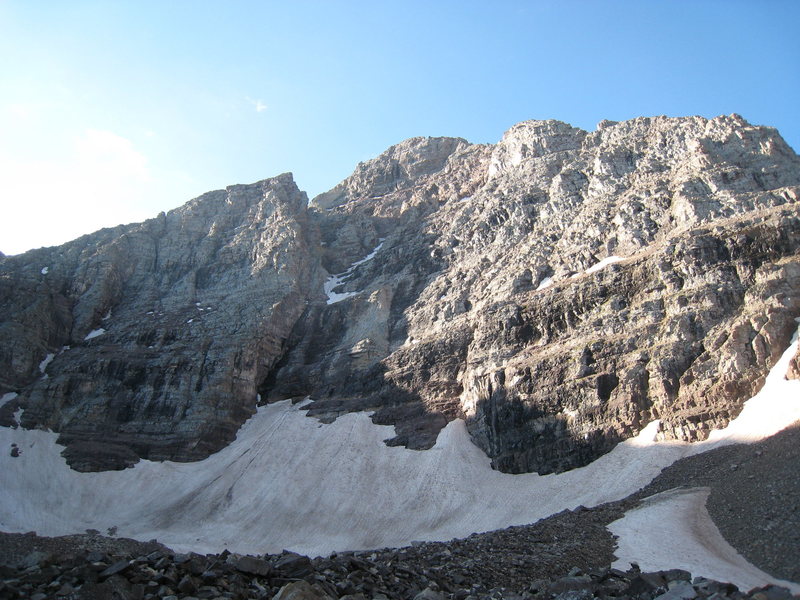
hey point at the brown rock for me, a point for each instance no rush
(793, 371)
(300, 590)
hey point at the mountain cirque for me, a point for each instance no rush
(557, 290)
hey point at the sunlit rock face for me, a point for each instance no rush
(558, 290)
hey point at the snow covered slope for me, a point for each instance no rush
(291, 482)
(673, 530)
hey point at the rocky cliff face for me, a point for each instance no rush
(149, 340)
(558, 290)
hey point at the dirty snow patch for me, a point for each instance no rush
(676, 525)
(307, 487)
(674, 530)
(333, 282)
(94, 333)
(7, 397)
(47, 360)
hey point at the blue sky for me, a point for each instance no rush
(113, 111)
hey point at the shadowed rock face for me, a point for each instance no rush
(195, 305)
(480, 301)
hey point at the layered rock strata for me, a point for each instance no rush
(149, 340)
(558, 290)
(561, 289)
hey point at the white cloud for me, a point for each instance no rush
(258, 104)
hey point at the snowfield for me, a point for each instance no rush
(291, 482)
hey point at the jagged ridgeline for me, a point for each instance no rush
(558, 291)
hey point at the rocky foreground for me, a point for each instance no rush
(566, 556)
(351, 576)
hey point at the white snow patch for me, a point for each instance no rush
(45, 270)
(674, 530)
(189, 321)
(108, 315)
(7, 397)
(335, 281)
(47, 360)
(94, 333)
(369, 256)
(604, 263)
(545, 283)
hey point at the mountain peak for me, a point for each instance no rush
(397, 167)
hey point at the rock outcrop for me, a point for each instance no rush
(488, 298)
(150, 340)
(558, 290)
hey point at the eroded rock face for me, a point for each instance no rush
(558, 290)
(159, 332)
(482, 302)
